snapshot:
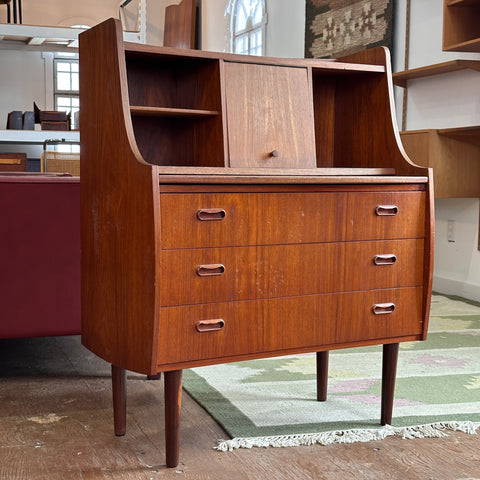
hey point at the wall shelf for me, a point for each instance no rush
(463, 134)
(401, 78)
(461, 25)
(43, 38)
(37, 137)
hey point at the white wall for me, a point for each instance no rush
(448, 100)
(22, 82)
(285, 27)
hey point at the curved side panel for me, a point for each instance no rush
(366, 129)
(118, 204)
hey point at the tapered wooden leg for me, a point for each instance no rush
(322, 375)
(173, 402)
(119, 390)
(389, 372)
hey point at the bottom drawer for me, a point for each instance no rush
(341, 318)
(207, 331)
(199, 333)
(385, 314)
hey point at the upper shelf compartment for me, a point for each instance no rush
(225, 115)
(174, 103)
(461, 25)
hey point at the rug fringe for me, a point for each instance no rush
(432, 430)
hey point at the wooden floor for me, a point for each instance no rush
(56, 423)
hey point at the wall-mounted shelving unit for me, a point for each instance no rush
(454, 154)
(461, 25)
(43, 38)
(401, 78)
(36, 137)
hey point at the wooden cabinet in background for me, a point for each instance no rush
(238, 207)
(461, 25)
(454, 155)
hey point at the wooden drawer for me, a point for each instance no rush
(385, 215)
(233, 219)
(207, 333)
(342, 318)
(186, 334)
(398, 313)
(191, 276)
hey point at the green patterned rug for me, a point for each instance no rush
(272, 402)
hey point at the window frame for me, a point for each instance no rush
(249, 32)
(71, 93)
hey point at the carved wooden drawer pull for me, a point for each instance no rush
(208, 214)
(386, 210)
(203, 326)
(387, 259)
(209, 270)
(382, 308)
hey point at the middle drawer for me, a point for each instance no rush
(194, 276)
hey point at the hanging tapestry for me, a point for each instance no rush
(335, 28)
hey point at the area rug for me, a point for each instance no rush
(272, 402)
(335, 28)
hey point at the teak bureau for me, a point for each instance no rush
(240, 207)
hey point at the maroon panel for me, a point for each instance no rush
(39, 255)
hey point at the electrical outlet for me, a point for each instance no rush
(451, 231)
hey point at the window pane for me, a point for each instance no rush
(64, 102)
(257, 14)
(240, 18)
(63, 81)
(256, 42)
(241, 44)
(65, 55)
(63, 67)
(75, 82)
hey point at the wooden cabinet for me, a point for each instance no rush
(454, 155)
(461, 25)
(237, 208)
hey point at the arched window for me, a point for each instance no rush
(248, 20)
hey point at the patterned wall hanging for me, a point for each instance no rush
(335, 28)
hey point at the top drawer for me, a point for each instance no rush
(192, 220)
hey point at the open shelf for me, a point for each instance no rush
(461, 25)
(401, 78)
(454, 155)
(171, 112)
(463, 134)
(37, 137)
